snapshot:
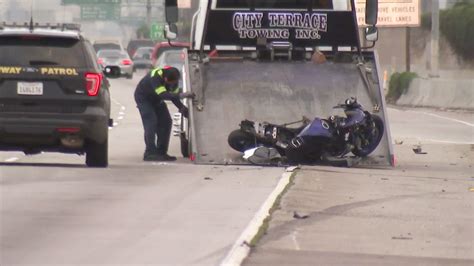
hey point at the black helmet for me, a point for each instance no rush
(351, 101)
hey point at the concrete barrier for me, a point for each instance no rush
(440, 93)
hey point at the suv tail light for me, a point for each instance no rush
(93, 81)
(126, 62)
(100, 61)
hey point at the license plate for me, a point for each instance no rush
(30, 88)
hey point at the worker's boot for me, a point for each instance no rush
(166, 158)
(151, 157)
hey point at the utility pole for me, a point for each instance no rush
(407, 50)
(434, 71)
(148, 13)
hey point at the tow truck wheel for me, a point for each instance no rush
(97, 154)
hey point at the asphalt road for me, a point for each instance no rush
(421, 212)
(54, 210)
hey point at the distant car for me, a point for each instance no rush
(53, 94)
(165, 46)
(133, 45)
(142, 58)
(107, 44)
(108, 57)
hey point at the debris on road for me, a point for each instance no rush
(298, 216)
(402, 238)
(418, 150)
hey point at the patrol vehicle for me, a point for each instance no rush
(53, 94)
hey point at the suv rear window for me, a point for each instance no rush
(41, 51)
(101, 46)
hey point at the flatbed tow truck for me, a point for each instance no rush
(253, 60)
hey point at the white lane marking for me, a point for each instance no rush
(240, 249)
(12, 159)
(438, 116)
(446, 118)
(447, 141)
(121, 113)
(293, 237)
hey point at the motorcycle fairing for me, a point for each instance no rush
(318, 128)
(354, 116)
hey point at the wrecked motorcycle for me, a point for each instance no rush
(359, 132)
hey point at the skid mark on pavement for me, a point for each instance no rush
(285, 229)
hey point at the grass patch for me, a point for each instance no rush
(398, 85)
(262, 230)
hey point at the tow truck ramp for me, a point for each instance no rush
(232, 90)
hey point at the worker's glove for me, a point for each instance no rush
(184, 111)
(184, 95)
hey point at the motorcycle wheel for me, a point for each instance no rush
(241, 141)
(372, 135)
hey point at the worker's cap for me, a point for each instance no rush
(171, 73)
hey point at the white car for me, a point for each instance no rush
(174, 58)
(108, 57)
(107, 44)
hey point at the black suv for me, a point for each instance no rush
(53, 94)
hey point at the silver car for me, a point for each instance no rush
(108, 57)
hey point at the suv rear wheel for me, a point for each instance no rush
(97, 154)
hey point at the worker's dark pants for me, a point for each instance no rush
(156, 121)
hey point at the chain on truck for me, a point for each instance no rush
(252, 59)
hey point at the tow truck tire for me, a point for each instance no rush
(184, 145)
(97, 154)
(241, 141)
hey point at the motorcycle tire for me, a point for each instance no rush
(375, 138)
(241, 141)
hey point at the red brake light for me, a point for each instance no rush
(126, 62)
(28, 37)
(68, 129)
(93, 81)
(100, 61)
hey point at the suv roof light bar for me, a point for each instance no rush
(58, 26)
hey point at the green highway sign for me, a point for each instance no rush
(100, 12)
(88, 2)
(156, 31)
